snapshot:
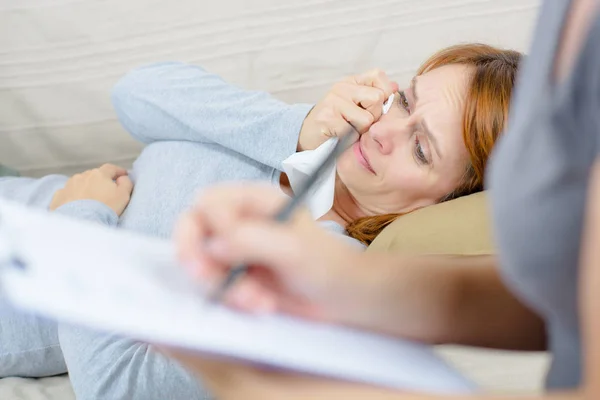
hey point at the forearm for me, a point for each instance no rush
(176, 101)
(31, 192)
(323, 389)
(446, 299)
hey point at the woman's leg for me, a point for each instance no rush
(28, 345)
(103, 366)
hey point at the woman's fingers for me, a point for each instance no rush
(367, 92)
(225, 205)
(259, 243)
(107, 184)
(232, 225)
(378, 79)
(124, 184)
(190, 238)
(251, 295)
(359, 118)
(112, 171)
(217, 212)
(366, 98)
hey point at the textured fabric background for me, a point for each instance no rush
(60, 58)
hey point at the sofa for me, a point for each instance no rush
(60, 58)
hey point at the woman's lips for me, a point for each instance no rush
(361, 158)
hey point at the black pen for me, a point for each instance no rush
(285, 213)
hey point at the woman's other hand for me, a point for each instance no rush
(108, 184)
(352, 105)
(296, 267)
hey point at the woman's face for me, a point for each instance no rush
(415, 154)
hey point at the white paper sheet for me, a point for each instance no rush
(117, 281)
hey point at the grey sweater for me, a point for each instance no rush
(539, 178)
(199, 130)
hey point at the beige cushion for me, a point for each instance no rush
(460, 226)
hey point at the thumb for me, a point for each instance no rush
(124, 184)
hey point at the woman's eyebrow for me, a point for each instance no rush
(413, 88)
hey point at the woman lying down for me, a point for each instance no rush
(432, 145)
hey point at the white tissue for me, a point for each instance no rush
(388, 103)
(300, 166)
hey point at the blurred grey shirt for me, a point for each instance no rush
(538, 181)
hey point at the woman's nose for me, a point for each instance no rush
(385, 133)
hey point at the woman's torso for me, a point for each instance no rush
(169, 174)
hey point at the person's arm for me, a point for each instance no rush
(446, 299)
(589, 289)
(589, 298)
(176, 101)
(435, 299)
(254, 383)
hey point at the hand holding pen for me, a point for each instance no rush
(223, 214)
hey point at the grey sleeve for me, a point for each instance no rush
(31, 192)
(181, 102)
(39, 193)
(89, 210)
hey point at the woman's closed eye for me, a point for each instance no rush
(420, 154)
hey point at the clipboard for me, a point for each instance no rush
(131, 285)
